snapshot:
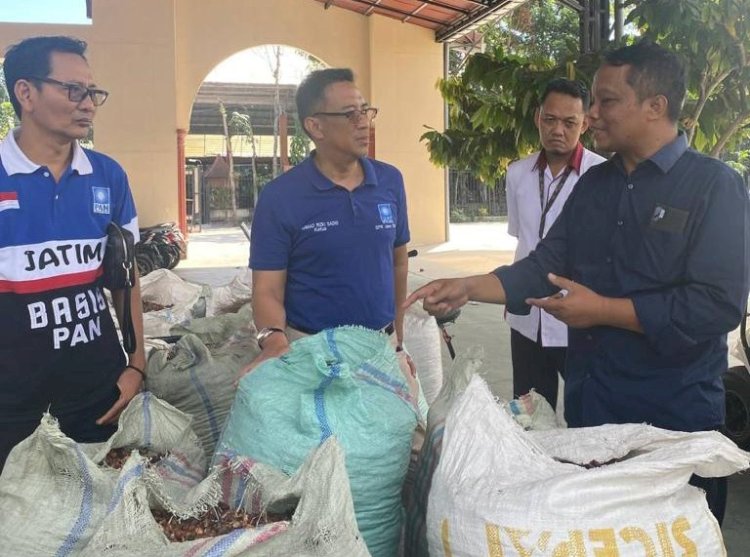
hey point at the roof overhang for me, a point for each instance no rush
(450, 19)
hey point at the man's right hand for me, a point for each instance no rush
(274, 346)
(440, 297)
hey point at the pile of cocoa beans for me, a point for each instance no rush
(116, 457)
(216, 521)
(153, 306)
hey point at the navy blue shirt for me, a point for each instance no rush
(673, 237)
(336, 245)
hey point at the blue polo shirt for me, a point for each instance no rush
(674, 237)
(335, 245)
(58, 345)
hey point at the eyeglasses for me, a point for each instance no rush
(76, 92)
(353, 116)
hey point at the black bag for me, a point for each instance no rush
(119, 274)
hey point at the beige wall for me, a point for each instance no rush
(152, 55)
(405, 64)
(131, 51)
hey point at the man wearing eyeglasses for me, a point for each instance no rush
(59, 350)
(536, 190)
(328, 242)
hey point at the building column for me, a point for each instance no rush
(181, 185)
(371, 147)
(284, 142)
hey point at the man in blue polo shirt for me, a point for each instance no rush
(648, 263)
(328, 242)
(59, 350)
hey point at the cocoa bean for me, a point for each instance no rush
(216, 521)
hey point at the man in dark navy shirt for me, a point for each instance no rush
(647, 264)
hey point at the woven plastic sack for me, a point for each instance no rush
(230, 297)
(422, 340)
(466, 365)
(532, 412)
(217, 331)
(190, 378)
(737, 356)
(500, 490)
(342, 382)
(322, 525)
(177, 300)
(54, 494)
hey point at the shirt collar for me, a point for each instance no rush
(16, 162)
(322, 182)
(574, 162)
(666, 157)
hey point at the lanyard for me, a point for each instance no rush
(545, 208)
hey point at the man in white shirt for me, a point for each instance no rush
(537, 188)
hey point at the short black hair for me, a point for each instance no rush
(31, 58)
(572, 88)
(654, 70)
(311, 92)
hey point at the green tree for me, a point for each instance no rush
(7, 118)
(491, 103)
(7, 115)
(539, 30)
(713, 37)
(240, 123)
(230, 159)
(299, 146)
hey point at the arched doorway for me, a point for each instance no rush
(243, 131)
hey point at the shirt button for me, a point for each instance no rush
(57, 196)
(589, 337)
(609, 260)
(46, 174)
(630, 186)
(619, 223)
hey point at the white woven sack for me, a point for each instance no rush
(422, 340)
(323, 524)
(419, 478)
(185, 301)
(737, 356)
(165, 288)
(54, 492)
(532, 411)
(52, 496)
(498, 490)
(230, 297)
(153, 424)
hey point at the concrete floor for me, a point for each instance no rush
(216, 255)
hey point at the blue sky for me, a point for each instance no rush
(44, 11)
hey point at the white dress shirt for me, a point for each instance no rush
(524, 218)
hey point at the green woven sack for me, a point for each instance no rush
(342, 382)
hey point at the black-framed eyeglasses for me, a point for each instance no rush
(77, 92)
(353, 116)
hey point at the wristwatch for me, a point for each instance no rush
(266, 332)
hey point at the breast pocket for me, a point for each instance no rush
(661, 254)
